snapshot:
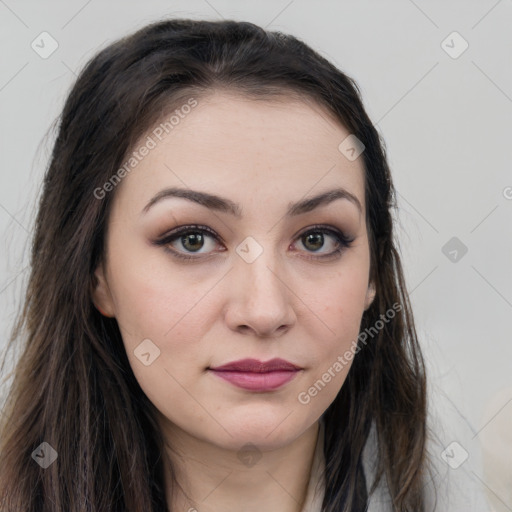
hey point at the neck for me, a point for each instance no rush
(212, 479)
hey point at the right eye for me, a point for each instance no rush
(191, 238)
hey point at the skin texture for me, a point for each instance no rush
(218, 308)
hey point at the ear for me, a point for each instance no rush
(101, 295)
(370, 295)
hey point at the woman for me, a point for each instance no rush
(216, 314)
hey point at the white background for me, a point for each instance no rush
(446, 123)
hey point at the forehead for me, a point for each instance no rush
(225, 121)
(242, 146)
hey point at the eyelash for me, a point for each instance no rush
(343, 241)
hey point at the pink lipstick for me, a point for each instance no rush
(255, 375)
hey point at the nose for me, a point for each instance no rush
(261, 299)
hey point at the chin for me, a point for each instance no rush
(266, 430)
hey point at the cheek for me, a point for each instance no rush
(173, 316)
(155, 300)
(338, 304)
(167, 311)
(340, 300)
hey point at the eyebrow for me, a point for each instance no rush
(225, 205)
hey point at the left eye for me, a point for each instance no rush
(315, 240)
(193, 239)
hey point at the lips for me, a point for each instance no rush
(255, 366)
(255, 375)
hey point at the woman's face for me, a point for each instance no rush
(257, 276)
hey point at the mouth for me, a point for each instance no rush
(255, 375)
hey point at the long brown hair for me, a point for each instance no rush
(73, 387)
